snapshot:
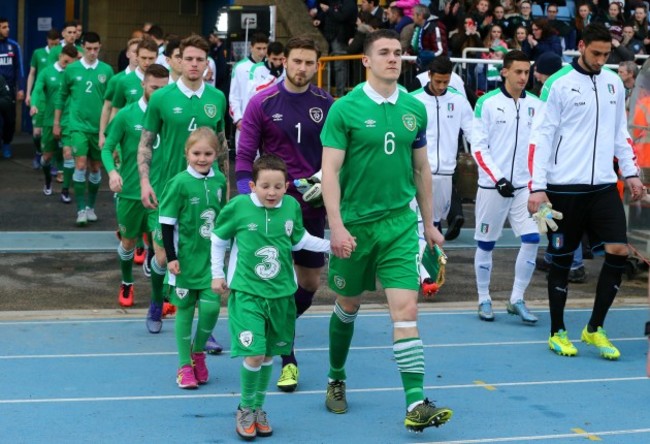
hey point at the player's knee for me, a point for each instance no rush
(79, 175)
(486, 246)
(95, 177)
(128, 244)
(346, 310)
(530, 238)
(253, 362)
(617, 249)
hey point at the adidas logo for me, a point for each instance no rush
(277, 117)
(370, 123)
(252, 227)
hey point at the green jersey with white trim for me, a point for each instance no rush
(378, 136)
(55, 52)
(191, 202)
(112, 84)
(40, 59)
(174, 112)
(129, 89)
(85, 85)
(261, 262)
(45, 91)
(123, 135)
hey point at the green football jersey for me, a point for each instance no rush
(45, 91)
(128, 89)
(123, 135)
(191, 202)
(261, 262)
(85, 86)
(112, 84)
(40, 59)
(173, 113)
(55, 52)
(378, 136)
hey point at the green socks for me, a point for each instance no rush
(409, 355)
(183, 331)
(126, 264)
(341, 331)
(250, 378)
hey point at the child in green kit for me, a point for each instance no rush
(265, 226)
(190, 205)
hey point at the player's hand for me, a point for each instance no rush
(636, 187)
(33, 110)
(20, 95)
(544, 217)
(505, 188)
(148, 196)
(174, 267)
(433, 236)
(535, 200)
(115, 181)
(56, 131)
(219, 286)
(102, 140)
(341, 242)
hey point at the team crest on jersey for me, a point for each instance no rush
(339, 281)
(410, 122)
(101, 78)
(450, 107)
(558, 241)
(182, 292)
(316, 114)
(611, 89)
(288, 227)
(246, 338)
(485, 228)
(531, 111)
(210, 110)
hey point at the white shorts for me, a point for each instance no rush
(492, 210)
(441, 197)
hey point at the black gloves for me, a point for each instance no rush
(505, 188)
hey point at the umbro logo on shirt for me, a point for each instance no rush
(53, 79)
(370, 123)
(177, 110)
(133, 92)
(277, 117)
(78, 78)
(252, 227)
(194, 201)
(138, 127)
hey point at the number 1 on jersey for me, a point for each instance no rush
(299, 127)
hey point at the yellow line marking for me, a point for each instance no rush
(588, 435)
(485, 385)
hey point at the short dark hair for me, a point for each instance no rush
(259, 37)
(301, 42)
(441, 65)
(149, 44)
(92, 37)
(156, 70)
(53, 34)
(4, 20)
(156, 32)
(398, 10)
(70, 50)
(268, 162)
(195, 41)
(596, 32)
(69, 24)
(275, 48)
(372, 37)
(514, 56)
(171, 46)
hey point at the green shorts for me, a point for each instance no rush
(131, 217)
(260, 326)
(386, 249)
(153, 226)
(85, 145)
(48, 143)
(184, 298)
(37, 119)
(66, 140)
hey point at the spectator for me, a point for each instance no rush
(521, 38)
(397, 20)
(429, 37)
(547, 64)
(407, 5)
(451, 14)
(614, 17)
(338, 23)
(542, 39)
(639, 22)
(619, 53)
(499, 18)
(494, 37)
(583, 18)
(525, 16)
(509, 8)
(492, 77)
(561, 28)
(467, 36)
(628, 71)
(365, 23)
(480, 13)
(372, 7)
(630, 42)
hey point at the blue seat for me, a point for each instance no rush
(564, 13)
(537, 11)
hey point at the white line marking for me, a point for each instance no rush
(312, 349)
(545, 437)
(314, 392)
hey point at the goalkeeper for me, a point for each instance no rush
(502, 121)
(573, 143)
(286, 119)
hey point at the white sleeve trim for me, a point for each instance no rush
(312, 243)
(167, 220)
(218, 256)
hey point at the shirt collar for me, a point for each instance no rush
(188, 92)
(378, 98)
(142, 104)
(139, 73)
(257, 203)
(128, 70)
(427, 90)
(47, 49)
(198, 175)
(57, 66)
(507, 94)
(87, 66)
(579, 68)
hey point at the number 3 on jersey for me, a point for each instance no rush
(270, 266)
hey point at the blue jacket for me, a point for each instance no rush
(11, 64)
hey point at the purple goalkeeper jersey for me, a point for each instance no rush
(288, 125)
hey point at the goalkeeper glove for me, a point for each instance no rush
(505, 188)
(544, 217)
(310, 189)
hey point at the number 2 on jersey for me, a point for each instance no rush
(89, 86)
